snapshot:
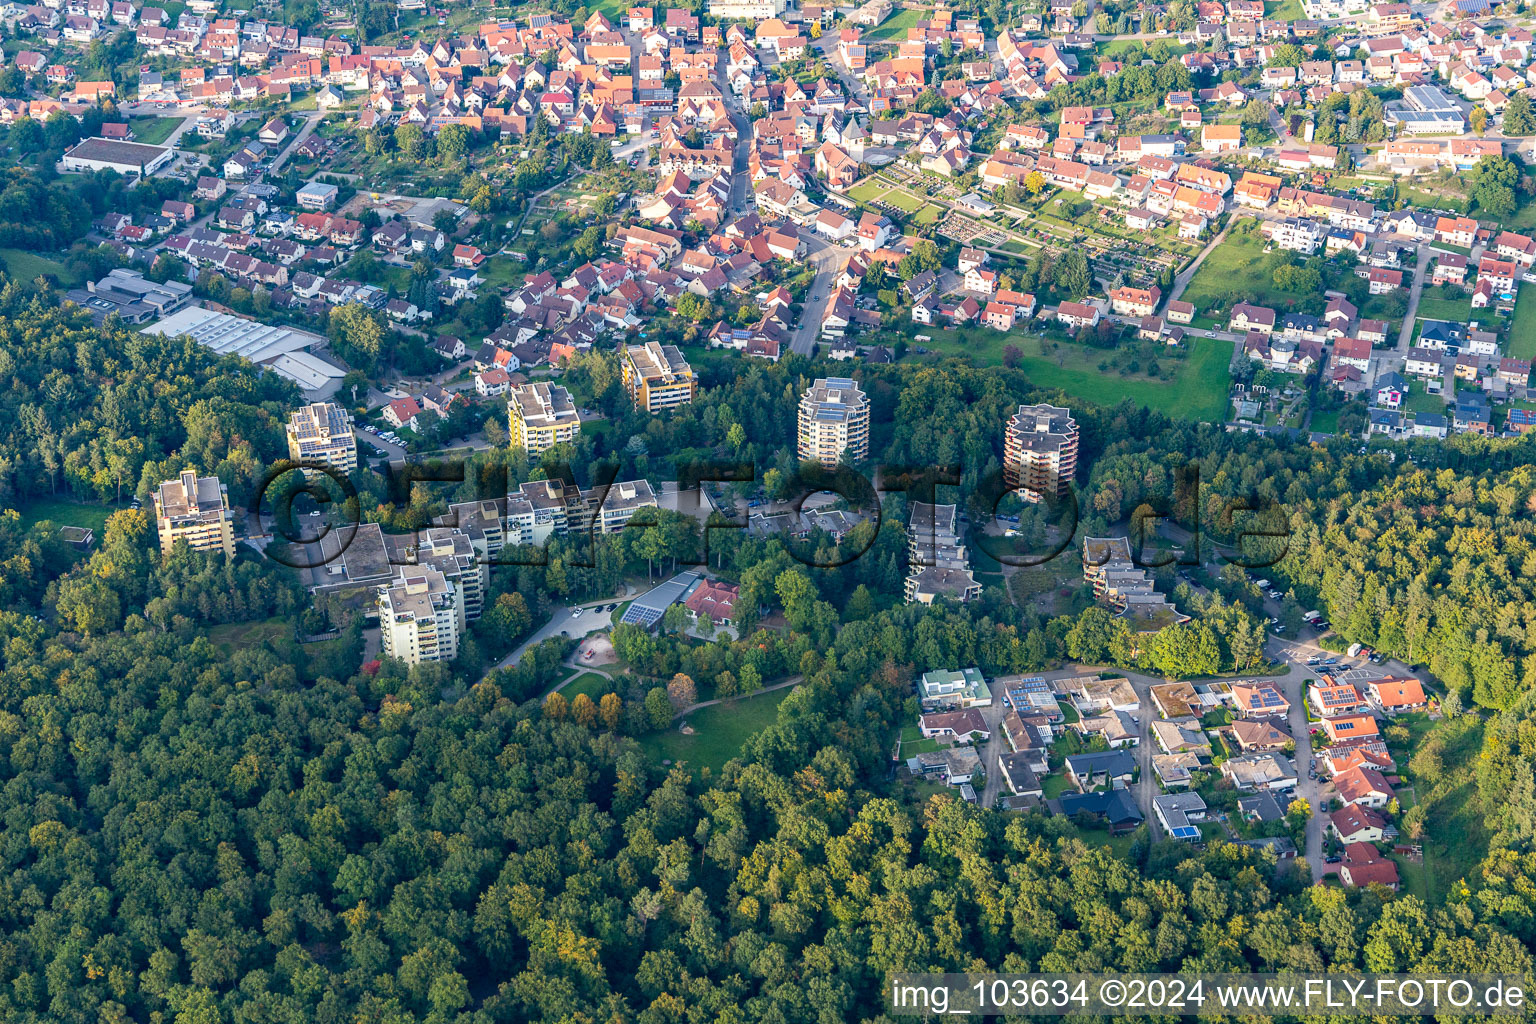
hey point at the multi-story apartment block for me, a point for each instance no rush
(483, 522)
(618, 505)
(322, 432)
(657, 377)
(541, 416)
(1040, 450)
(194, 509)
(542, 509)
(451, 553)
(938, 565)
(834, 418)
(420, 616)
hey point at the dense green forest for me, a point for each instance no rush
(198, 832)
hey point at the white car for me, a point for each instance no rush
(576, 613)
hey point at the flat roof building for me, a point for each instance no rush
(316, 195)
(131, 296)
(657, 376)
(194, 509)
(834, 418)
(938, 564)
(647, 609)
(1040, 450)
(612, 509)
(541, 415)
(420, 617)
(284, 350)
(322, 432)
(98, 154)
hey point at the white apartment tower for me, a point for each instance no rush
(420, 616)
(834, 418)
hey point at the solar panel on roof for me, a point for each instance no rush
(640, 615)
(1186, 832)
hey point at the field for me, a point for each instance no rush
(1522, 332)
(234, 636)
(67, 513)
(719, 731)
(1455, 837)
(1240, 267)
(152, 131)
(1198, 390)
(25, 266)
(895, 28)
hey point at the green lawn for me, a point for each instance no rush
(234, 636)
(1325, 421)
(928, 214)
(1522, 331)
(66, 513)
(1120, 846)
(1455, 834)
(1055, 785)
(25, 266)
(589, 683)
(1284, 10)
(1240, 268)
(1524, 218)
(152, 131)
(1415, 878)
(895, 28)
(1197, 392)
(719, 731)
(870, 191)
(1433, 305)
(502, 271)
(1419, 400)
(865, 191)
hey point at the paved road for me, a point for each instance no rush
(992, 755)
(1292, 685)
(187, 123)
(829, 261)
(564, 620)
(396, 452)
(1405, 336)
(310, 124)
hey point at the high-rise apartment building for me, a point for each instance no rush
(834, 418)
(194, 509)
(322, 433)
(541, 416)
(1040, 450)
(657, 377)
(420, 617)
